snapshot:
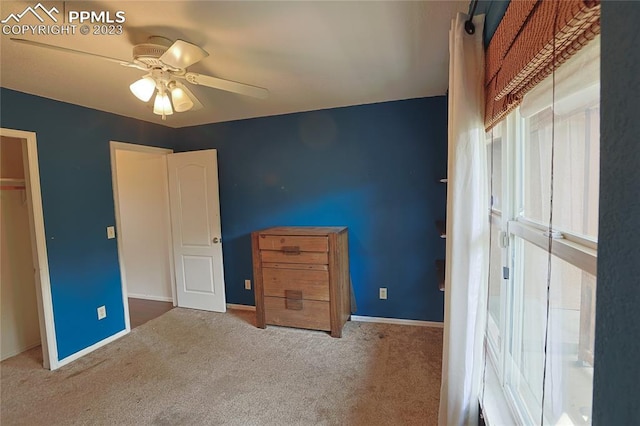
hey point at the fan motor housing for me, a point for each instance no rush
(150, 52)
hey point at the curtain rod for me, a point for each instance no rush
(468, 24)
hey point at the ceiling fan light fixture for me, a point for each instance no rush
(164, 62)
(162, 105)
(143, 89)
(181, 101)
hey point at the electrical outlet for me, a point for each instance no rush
(102, 312)
(111, 232)
(383, 292)
(247, 284)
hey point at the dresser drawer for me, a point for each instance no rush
(312, 285)
(292, 244)
(300, 313)
(317, 258)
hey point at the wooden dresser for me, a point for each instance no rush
(301, 277)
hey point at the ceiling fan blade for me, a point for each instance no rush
(196, 103)
(76, 52)
(182, 55)
(227, 85)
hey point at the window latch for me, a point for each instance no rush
(504, 239)
(555, 235)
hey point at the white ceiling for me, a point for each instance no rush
(310, 55)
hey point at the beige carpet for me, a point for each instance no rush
(197, 368)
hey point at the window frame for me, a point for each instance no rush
(578, 250)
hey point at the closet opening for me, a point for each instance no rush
(26, 311)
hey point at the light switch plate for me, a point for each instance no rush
(111, 232)
(102, 312)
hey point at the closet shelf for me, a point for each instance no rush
(12, 183)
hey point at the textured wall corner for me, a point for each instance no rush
(617, 369)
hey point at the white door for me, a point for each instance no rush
(195, 225)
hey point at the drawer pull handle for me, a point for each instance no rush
(293, 300)
(293, 304)
(291, 250)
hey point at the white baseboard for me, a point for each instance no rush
(397, 321)
(148, 297)
(241, 307)
(90, 349)
(21, 349)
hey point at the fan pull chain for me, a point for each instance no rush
(550, 230)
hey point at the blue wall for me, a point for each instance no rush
(77, 197)
(373, 168)
(617, 364)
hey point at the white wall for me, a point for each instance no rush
(19, 327)
(145, 224)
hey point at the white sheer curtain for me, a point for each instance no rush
(467, 229)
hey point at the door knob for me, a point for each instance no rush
(217, 240)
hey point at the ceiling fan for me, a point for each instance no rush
(166, 65)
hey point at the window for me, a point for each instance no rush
(541, 306)
(494, 157)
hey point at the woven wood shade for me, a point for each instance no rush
(521, 52)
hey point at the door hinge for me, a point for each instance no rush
(505, 273)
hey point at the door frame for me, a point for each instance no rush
(38, 245)
(131, 147)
